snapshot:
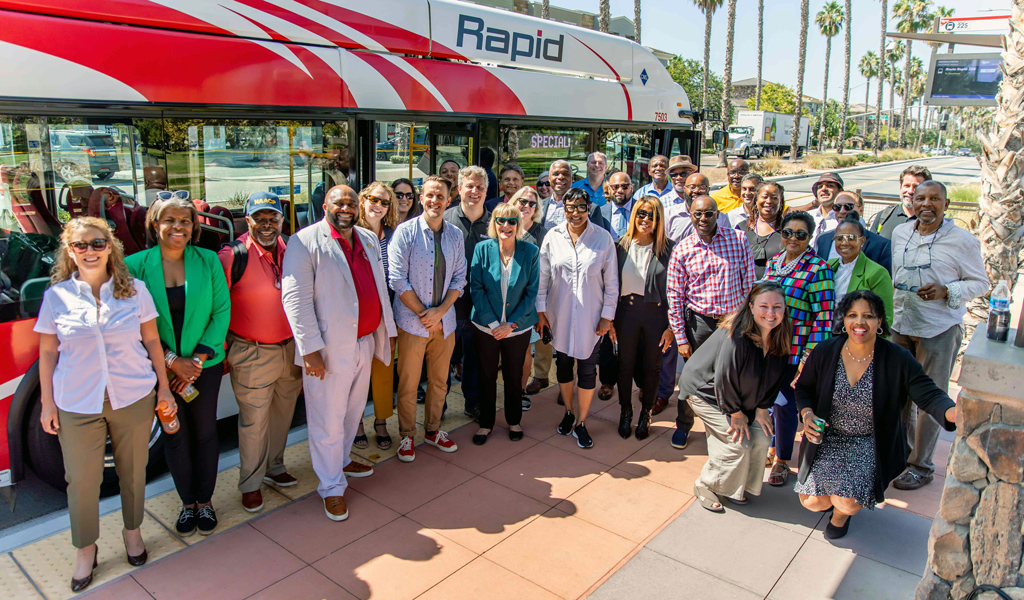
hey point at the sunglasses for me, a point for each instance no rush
(846, 207)
(577, 208)
(502, 221)
(696, 188)
(682, 175)
(799, 235)
(643, 214)
(376, 200)
(704, 214)
(166, 195)
(98, 244)
(543, 184)
(619, 186)
(405, 195)
(529, 203)
(846, 237)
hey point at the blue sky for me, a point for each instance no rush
(677, 26)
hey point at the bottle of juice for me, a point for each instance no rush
(168, 421)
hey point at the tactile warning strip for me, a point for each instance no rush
(13, 581)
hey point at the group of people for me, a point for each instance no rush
(759, 300)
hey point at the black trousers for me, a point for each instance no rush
(512, 351)
(639, 327)
(608, 363)
(193, 451)
(586, 369)
(698, 329)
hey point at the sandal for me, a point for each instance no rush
(361, 441)
(707, 498)
(779, 474)
(769, 461)
(383, 440)
(739, 501)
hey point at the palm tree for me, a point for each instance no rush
(868, 67)
(760, 51)
(881, 70)
(911, 15)
(829, 21)
(545, 9)
(805, 14)
(708, 7)
(636, 20)
(943, 13)
(730, 36)
(847, 16)
(892, 73)
(604, 15)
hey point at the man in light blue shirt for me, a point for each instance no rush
(679, 169)
(593, 184)
(617, 211)
(660, 184)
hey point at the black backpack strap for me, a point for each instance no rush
(240, 259)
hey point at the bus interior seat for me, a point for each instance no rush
(107, 202)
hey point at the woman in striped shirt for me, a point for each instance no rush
(810, 300)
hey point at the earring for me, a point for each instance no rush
(879, 331)
(842, 329)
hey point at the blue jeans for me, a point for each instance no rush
(785, 417)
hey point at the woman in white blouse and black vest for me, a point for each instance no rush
(100, 359)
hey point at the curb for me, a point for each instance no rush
(844, 170)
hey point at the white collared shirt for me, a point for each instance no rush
(100, 350)
(555, 213)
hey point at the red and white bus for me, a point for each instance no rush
(227, 97)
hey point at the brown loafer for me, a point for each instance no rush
(281, 480)
(335, 508)
(659, 405)
(252, 501)
(355, 469)
(536, 386)
(605, 393)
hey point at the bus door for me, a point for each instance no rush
(672, 142)
(459, 142)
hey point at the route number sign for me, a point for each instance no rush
(973, 24)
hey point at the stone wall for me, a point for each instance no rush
(977, 536)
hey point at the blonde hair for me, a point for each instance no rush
(64, 266)
(505, 210)
(390, 218)
(660, 240)
(522, 192)
(156, 212)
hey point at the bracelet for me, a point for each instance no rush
(169, 358)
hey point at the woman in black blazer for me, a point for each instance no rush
(858, 382)
(641, 319)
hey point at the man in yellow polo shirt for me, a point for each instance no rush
(728, 197)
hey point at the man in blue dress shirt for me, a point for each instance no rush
(593, 184)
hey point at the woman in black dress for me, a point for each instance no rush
(858, 382)
(763, 227)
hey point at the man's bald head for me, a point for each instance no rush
(341, 208)
(703, 202)
(340, 191)
(696, 185)
(154, 178)
(704, 216)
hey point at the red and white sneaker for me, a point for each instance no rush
(407, 450)
(440, 441)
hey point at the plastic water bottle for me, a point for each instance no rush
(999, 312)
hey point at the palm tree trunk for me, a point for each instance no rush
(604, 15)
(760, 51)
(636, 20)
(846, 77)
(892, 104)
(904, 110)
(824, 96)
(920, 124)
(545, 9)
(881, 71)
(730, 37)
(805, 11)
(707, 63)
(867, 122)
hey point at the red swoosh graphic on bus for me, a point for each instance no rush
(412, 92)
(468, 88)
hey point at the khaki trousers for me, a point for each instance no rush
(412, 349)
(266, 382)
(83, 440)
(382, 388)
(732, 468)
(542, 356)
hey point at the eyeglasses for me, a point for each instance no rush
(529, 203)
(620, 186)
(502, 221)
(846, 237)
(376, 200)
(166, 195)
(704, 214)
(846, 207)
(98, 244)
(799, 235)
(734, 173)
(577, 208)
(405, 195)
(919, 268)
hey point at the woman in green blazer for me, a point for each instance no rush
(503, 280)
(193, 311)
(854, 271)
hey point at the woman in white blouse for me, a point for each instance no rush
(100, 359)
(579, 290)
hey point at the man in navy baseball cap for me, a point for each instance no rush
(262, 201)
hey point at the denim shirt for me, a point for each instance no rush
(411, 267)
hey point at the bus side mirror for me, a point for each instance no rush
(719, 139)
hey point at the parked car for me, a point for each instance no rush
(91, 154)
(938, 152)
(964, 152)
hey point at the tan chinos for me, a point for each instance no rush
(733, 469)
(83, 440)
(266, 382)
(412, 349)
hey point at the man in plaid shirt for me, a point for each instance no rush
(709, 275)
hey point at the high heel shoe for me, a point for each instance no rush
(78, 585)
(138, 560)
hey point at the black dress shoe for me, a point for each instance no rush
(626, 422)
(479, 439)
(605, 392)
(643, 426)
(834, 533)
(515, 436)
(78, 585)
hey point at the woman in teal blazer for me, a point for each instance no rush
(503, 281)
(193, 311)
(855, 271)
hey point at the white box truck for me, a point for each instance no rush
(761, 132)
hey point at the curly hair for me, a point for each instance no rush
(64, 266)
(873, 300)
(390, 218)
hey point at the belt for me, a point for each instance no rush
(690, 311)
(255, 343)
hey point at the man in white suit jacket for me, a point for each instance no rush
(336, 300)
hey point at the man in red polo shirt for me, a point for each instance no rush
(261, 351)
(336, 299)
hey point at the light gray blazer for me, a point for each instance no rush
(320, 296)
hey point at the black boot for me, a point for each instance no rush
(626, 422)
(643, 426)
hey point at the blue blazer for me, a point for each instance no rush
(877, 248)
(523, 283)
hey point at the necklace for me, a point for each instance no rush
(781, 267)
(859, 360)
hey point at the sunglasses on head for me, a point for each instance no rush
(506, 221)
(405, 195)
(643, 214)
(167, 195)
(530, 203)
(376, 200)
(98, 244)
(847, 207)
(799, 235)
